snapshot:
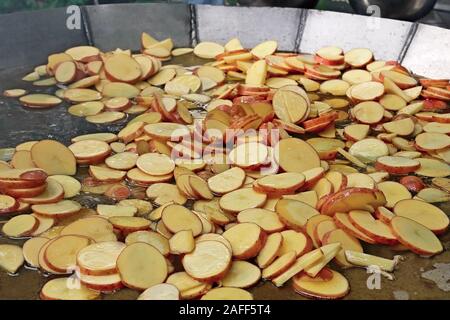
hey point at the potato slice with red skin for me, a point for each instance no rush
(282, 183)
(343, 221)
(176, 218)
(318, 288)
(397, 165)
(311, 225)
(246, 240)
(393, 192)
(415, 236)
(96, 228)
(266, 219)
(19, 226)
(227, 181)
(295, 241)
(130, 224)
(106, 283)
(295, 155)
(384, 214)
(163, 291)
(403, 127)
(431, 141)
(53, 157)
(375, 229)
(294, 214)
(270, 250)
(424, 213)
(31, 249)
(52, 194)
(321, 229)
(241, 199)
(122, 68)
(326, 147)
(25, 193)
(57, 210)
(8, 204)
(280, 265)
(352, 199)
(99, 258)
(57, 289)
(209, 262)
(61, 253)
(141, 266)
(90, 149)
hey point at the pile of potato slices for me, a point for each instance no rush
(257, 165)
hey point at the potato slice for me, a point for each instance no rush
(106, 117)
(99, 258)
(141, 266)
(227, 181)
(242, 199)
(393, 192)
(176, 218)
(90, 149)
(247, 155)
(19, 226)
(22, 160)
(433, 168)
(375, 229)
(368, 112)
(295, 155)
(424, 213)
(280, 265)
(242, 274)
(367, 91)
(58, 289)
(209, 261)
(57, 210)
(290, 106)
(270, 250)
(256, 74)
(71, 186)
(264, 49)
(162, 193)
(106, 174)
(189, 288)
(321, 229)
(295, 214)
(431, 141)
(266, 219)
(397, 165)
(208, 50)
(122, 68)
(225, 293)
(39, 100)
(116, 211)
(246, 240)
(53, 157)
(432, 195)
(8, 204)
(14, 93)
(320, 288)
(96, 228)
(129, 224)
(403, 127)
(45, 223)
(369, 150)
(163, 291)
(294, 241)
(61, 253)
(31, 249)
(415, 236)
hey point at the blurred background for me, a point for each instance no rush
(434, 12)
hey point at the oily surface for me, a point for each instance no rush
(19, 124)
